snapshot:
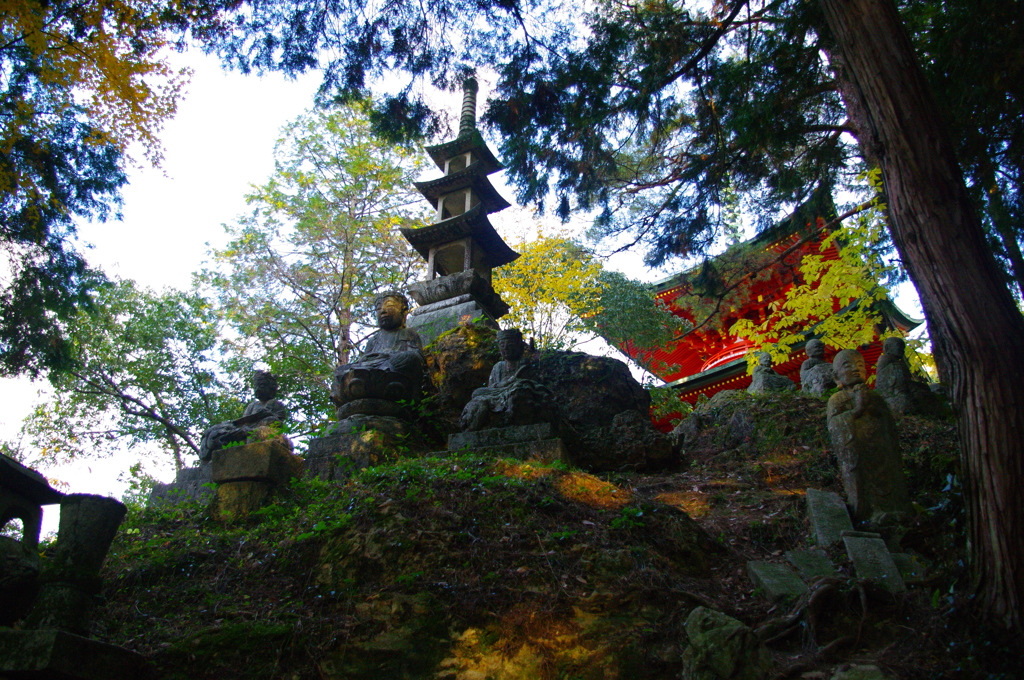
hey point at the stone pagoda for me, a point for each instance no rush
(460, 247)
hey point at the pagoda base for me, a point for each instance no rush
(436, 318)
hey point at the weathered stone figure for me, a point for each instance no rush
(895, 382)
(509, 398)
(866, 443)
(816, 374)
(391, 367)
(766, 379)
(264, 410)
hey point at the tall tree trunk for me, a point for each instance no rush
(976, 329)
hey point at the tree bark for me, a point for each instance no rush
(976, 329)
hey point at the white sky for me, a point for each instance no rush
(220, 142)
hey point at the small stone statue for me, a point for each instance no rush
(264, 410)
(895, 382)
(816, 376)
(390, 369)
(766, 379)
(866, 443)
(509, 398)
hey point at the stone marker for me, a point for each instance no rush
(777, 580)
(811, 564)
(722, 647)
(871, 559)
(525, 442)
(911, 568)
(829, 518)
(56, 654)
(865, 441)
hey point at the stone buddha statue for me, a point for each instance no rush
(766, 379)
(896, 383)
(866, 443)
(264, 410)
(510, 398)
(389, 370)
(816, 374)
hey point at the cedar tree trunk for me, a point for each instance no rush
(976, 329)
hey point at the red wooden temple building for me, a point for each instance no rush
(708, 359)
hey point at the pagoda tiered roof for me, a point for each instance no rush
(473, 223)
(468, 140)
(474, 177)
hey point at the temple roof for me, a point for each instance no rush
(472, 223)
(470, 140)
(27, 482)
(472, 176)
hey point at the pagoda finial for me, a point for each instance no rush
(467, 121)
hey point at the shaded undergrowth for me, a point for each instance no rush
(469, 567)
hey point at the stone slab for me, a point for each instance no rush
(432, 324)
(441, 304)
(911, 568)
(501, 436)
(811, 564)
(545, 451)
(190, 484)
(54, 654)
(829, 517)
(871, 559)
(861, 534)
(270, 461)
(778, 581)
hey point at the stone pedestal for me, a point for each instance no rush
(56, 654)
(247, 475)
(434, 319)
(524, 442)
(190, 484)
(71, 579)
(358, 442)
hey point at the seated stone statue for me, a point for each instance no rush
(264, 410)
(390, 369)
(865, 441)
(895, 382)
(766, 379)
(510, 398)
(816, 375)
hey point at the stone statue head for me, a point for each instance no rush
(392, 307)
(510, 344)
(815, 349)
(764, 359)
(849, 368)
(894, 347)
(265, 385)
